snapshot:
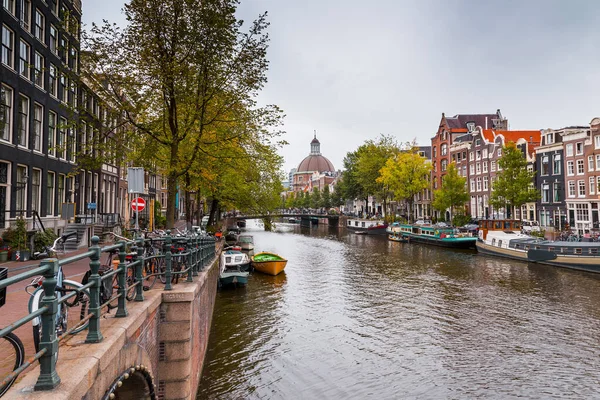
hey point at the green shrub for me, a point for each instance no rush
(41, 239)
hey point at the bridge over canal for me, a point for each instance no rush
(303, 218)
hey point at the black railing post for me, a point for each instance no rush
(139, 290)
(121, 278)
(94, 335)
(168, 261)
(195, 257)
(49, 378)
(190, 266)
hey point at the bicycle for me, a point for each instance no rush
(12, 354)
(64, 287)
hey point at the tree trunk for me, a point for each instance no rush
(188, 202)
(214, 205)
(171, 199)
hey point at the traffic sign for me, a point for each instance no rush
(138, 204)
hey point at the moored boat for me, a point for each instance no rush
(234, 267)
(268, 263)
(503, 238)
(437, 236)
(241, 223)
(246, 242)
(369, 226)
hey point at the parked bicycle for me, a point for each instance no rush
(12, 354)
(71, 290)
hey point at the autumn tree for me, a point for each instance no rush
(182, 73)
(315, 198)
(406, 175)
(453, 192)
(513, 185)
(326, 198)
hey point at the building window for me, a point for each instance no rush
(545, 193)
(484, 153)
(435, 151)
(478, 168)
(22, 185)
(9, 5)
(7, 47)
(479, 184)
(545, 165)
(590, 163)
(485, 167)
(471, 156)
(571, 188)
(500, 152)
(73, 91)
(485, 183)
(26, 14)
(24, 60)
(51, 133)
(50, 194)
(549, 138)
(557, 164)
(39, 25)
(581, 185)
(6, 101)
(71, 144)
(36, 183)
(38, 72)
(478, 155)
(64, 49)
(472, 169)
(444, 164)
(38, 115)
(582, 212)
(61, 189)
(53, 39)
(64, 88)
(592, 185)
(570, 168)
(597, 141)
(55, 8)
(579, 148)
(580, 167)
(471, 128)
(444, 149)
(569, 149)
(464, 170)
(23, 121)
(556, 189)
(62, 139)
(493, 166)
(52, 81)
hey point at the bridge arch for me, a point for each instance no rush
(135, 382)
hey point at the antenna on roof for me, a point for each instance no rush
(315, 133)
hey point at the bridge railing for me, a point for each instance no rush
(197, 253)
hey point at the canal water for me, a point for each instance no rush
(357, 317)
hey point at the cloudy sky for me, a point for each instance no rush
(352, 70)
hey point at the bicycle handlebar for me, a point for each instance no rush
(122, 238)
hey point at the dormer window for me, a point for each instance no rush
(470, 126)
(478, 142)
(549, 138)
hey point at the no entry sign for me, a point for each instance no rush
(138, 204)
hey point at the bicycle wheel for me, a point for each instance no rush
(12, 356)
(162, 268)
(75, 313)
(150, 268)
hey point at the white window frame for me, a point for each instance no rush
(579, 148)
(22, 138)
(580, 167)
(569, 149)
(38, 126)
(572, 192)
(39, 25)
(36, 186)
(590, 163)
(24, 59)
(570, 168)
(8, 47)
(38, 70)
(6, 108)
(50, 192)
(51, 138)
(581, 188)
(592, 185)
(9, 5)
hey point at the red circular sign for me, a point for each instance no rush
(138, 204)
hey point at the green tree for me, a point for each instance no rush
(513, 186)
(452, 194)
(184, 75)
(306, 200)
(326, 198)
(315, 198)
(406, 175)
(289, 200)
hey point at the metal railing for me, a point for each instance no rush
(199, 252)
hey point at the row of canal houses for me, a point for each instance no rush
(566, 161)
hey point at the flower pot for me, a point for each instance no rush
(21, 255)
(3, 256)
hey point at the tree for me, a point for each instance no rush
(326, 198)
(406, 175)
(289, 200)
(513, 186)
(306, 200)
(185, 76)
(315, 198)
(453, 192)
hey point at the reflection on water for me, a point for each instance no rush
(356, 316)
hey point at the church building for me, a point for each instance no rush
(314, 171)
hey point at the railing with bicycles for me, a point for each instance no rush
(131, 267)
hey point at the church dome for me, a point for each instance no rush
(315, 161)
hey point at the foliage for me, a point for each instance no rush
(184, 76)
(42, 239)
(406, 175)
(461, 219)
(453, 192)
(372, 157)
(8, 236)
(290, 199)
(326, 198)
(513, 184)
(19, 240)
(160, 221)
(336, 198)
(315, 198)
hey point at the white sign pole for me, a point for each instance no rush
(137, 225)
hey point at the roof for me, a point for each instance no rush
(315, 163)
(533, 137)
(459, 121)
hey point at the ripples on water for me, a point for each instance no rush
(356, 317)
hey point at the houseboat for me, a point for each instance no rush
(437, 236)
(503, 238)
(367, 226)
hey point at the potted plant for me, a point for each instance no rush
(21, 251)
(3, 251)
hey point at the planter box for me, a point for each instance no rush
(22, 255)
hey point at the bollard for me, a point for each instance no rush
(189, 260)
(94, 335)
(49, 378)
(139, 290)
(121, 279)
(167, 250)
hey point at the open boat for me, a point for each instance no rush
(268, 263)
(234, 267)
(246, 242)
